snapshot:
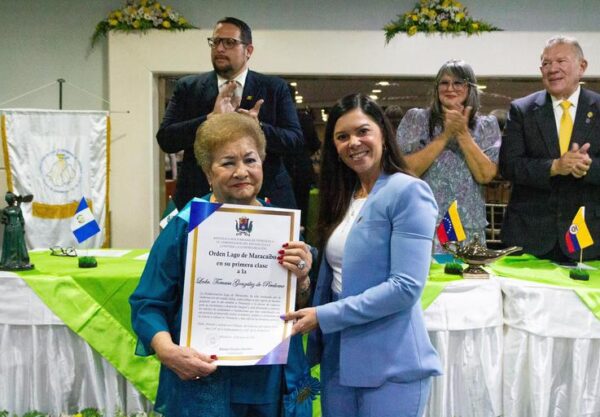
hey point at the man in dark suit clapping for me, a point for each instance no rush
(551, 153)
(232, 87)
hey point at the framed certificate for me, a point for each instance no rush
(235, 289)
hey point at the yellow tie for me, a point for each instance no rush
(566, 127)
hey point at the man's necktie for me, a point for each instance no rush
(566, 127)
(236, 98)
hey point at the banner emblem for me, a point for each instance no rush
(61, 170)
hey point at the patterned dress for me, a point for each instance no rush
(449, 176)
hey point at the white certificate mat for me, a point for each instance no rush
(235, 289)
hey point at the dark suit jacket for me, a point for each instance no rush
(194, 97)
(541, 207)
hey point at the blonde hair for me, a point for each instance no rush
(222, 129)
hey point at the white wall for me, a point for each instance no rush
(136, 60)
(45, 40)
(41, 41)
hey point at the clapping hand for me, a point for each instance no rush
(575, 162)
(224, 102)
(253, 112)
(456, 120)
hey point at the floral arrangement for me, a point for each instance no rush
(141, 15)
(442, 16)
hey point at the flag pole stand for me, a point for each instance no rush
(453, 268)
(87, 261)
(578, 273)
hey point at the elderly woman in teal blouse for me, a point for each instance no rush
(452, 147)
(230, 148)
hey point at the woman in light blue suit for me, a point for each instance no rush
(376, 224)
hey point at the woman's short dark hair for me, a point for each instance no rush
(337, 181)
(460, 70)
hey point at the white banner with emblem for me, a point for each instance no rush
(58, 157)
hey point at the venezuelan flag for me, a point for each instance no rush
(450, 228)
(578, 236)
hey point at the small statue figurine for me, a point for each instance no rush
(474, 254)
(14, 249)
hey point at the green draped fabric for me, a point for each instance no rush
(94, 304)
(530, 268)
(438, 280)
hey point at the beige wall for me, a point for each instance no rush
(134, 62)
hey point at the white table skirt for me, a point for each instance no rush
(550, 348)
(551, 352)
(465, 326)
(45, 366)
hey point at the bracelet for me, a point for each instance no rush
(305, 287)
(303, 292)
(304, 278)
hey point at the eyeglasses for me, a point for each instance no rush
(457, 85)
(228, 43)
(60, 251)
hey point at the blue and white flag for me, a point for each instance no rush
(84, 224)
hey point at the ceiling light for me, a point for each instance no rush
(323, 115)
(383, 83)
(373, 97)
(294, 84)
(481, 87)
(376, 90)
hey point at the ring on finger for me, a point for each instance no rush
(301, 264)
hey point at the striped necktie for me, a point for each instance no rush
(566, 127)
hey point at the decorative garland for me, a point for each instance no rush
(436, 16)
(141, 15)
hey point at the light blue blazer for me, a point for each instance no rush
(385, 265)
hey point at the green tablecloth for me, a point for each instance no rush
(94, 304)
(436, 283)
(313, 215)
(530, 268)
